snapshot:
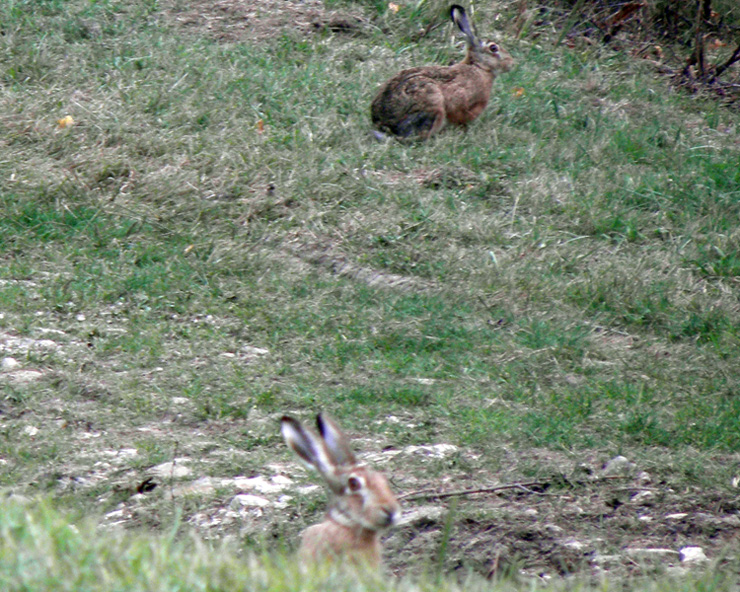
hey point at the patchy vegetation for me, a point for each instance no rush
(199, 234)
(694, 43)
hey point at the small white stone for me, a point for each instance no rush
(692, 555)
(426, 381)
(282, 480)
(601, 560)
(47, 344)
(422, 514)
(575, 545)
(574, 509)
(175, 469)
(375, 458)
(434, 450)
(80, 317)
(47, 331)
(9, 364)
(676, 516)
(24, 376)
(282, 502)
(617, 466)
(652, 552)
(116, 514)
(260, 484)
(255, 351)
(89, 435)
(732, 521)
(643, 498)
(244, 500)
(643, 477)
(122, 453)
(30, 430)
(202, 486)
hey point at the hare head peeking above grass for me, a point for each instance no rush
(362, 502)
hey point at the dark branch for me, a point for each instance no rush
(526, 486)
(735, 57)
(433, 494)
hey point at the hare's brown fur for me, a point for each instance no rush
(419, 101)
(362, 501)
(332, 541)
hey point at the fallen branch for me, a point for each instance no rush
(526, 486)
(433, 494)
(735, 57)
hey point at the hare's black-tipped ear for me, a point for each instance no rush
(336, 442)
(300, 441)
(455, 11)
(460, 18)
(312, 450)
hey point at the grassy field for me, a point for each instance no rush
(214, 238)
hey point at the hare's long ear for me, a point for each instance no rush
(308, 446)
(460, 18)
(301, 441)
(337, 444)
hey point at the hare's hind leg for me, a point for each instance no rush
(421, 123)
(415, 107)
(416, 123)
(427, 115)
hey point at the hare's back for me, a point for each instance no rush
(418, 79)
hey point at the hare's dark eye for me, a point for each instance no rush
(492, 47)
(354, 484)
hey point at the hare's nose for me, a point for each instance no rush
(390, 514)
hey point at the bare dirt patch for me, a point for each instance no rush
(235, 20)
(587, 523)
(324, 255)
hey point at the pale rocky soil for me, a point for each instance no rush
(586, 517)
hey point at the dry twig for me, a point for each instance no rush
(526, 486)
(735, 57)
(433, 494)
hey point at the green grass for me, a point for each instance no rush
(563, 275)
(42, 550)
(638, 186)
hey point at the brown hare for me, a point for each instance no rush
(419, 101)
(362, 502)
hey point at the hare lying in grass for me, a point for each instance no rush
(418, 101)
(362, 502)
